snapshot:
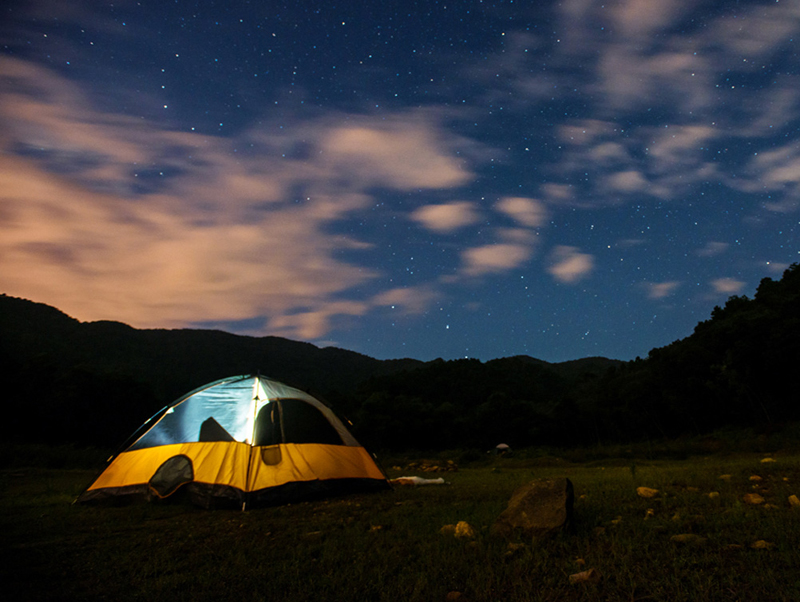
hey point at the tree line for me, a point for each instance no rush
(94, 383)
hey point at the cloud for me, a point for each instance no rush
(528, 212)
(712, 249)
(411, 300)
(659, 290)
(495, 258)
(446, 217)
(758, 31)
(558, 193)
(107, 217)
(585, 132)
(729, 286)
(678, 146)
(641, 18)
(567, 264)
(776, 267)
(626, 181)
(314, 324)
(400, 153)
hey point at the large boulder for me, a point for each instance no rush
(538, 509)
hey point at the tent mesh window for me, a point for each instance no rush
(293, 421)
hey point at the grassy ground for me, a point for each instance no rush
(389, 547)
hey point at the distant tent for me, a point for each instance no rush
(242, 441)
(502, 449)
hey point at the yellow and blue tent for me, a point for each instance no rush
(242, 441)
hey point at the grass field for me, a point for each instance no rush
(388, 546)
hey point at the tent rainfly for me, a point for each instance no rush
(243, 441)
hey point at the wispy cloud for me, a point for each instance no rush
(495, 258)
(410, 300)
(569, 265)
(659, 290)
(528, 212)
(446, 217)
(712, 249)
(729, 286)
(107, 217)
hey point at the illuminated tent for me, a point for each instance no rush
(242, 441)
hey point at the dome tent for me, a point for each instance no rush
(242, 441)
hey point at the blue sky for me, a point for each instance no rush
(403, 179)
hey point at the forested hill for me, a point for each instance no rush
(94, 383)
(173, 362)
(740, 367)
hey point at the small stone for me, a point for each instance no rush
(580, 562)
(768, 460)
(756, 478)
(453, 596)
(646, 492)
(448, 530)
(725, 477)
(590, 576)
(794, 501)
(464, 530)
(714, 495)
(762, 545)
(753, 499)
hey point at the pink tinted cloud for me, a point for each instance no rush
(567, 264)
(627, 181)
(729, 286)
(410, 300)
(659, 290)
(712, 249)
(402, 154)
(495, 258)
(447, 216)
(528, 212)
(218, 240)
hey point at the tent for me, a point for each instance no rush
(243, 441)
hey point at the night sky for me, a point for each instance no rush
(402, 179)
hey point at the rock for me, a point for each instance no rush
(448, 530)
(725, 477)
(590, 576)
(646, 492)
(768, 460)
(794, 501)
(762, 545)
(540, 508)
(454, 595)
(464, 530)
(755, 478)
(753, 499)
(714, 495)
